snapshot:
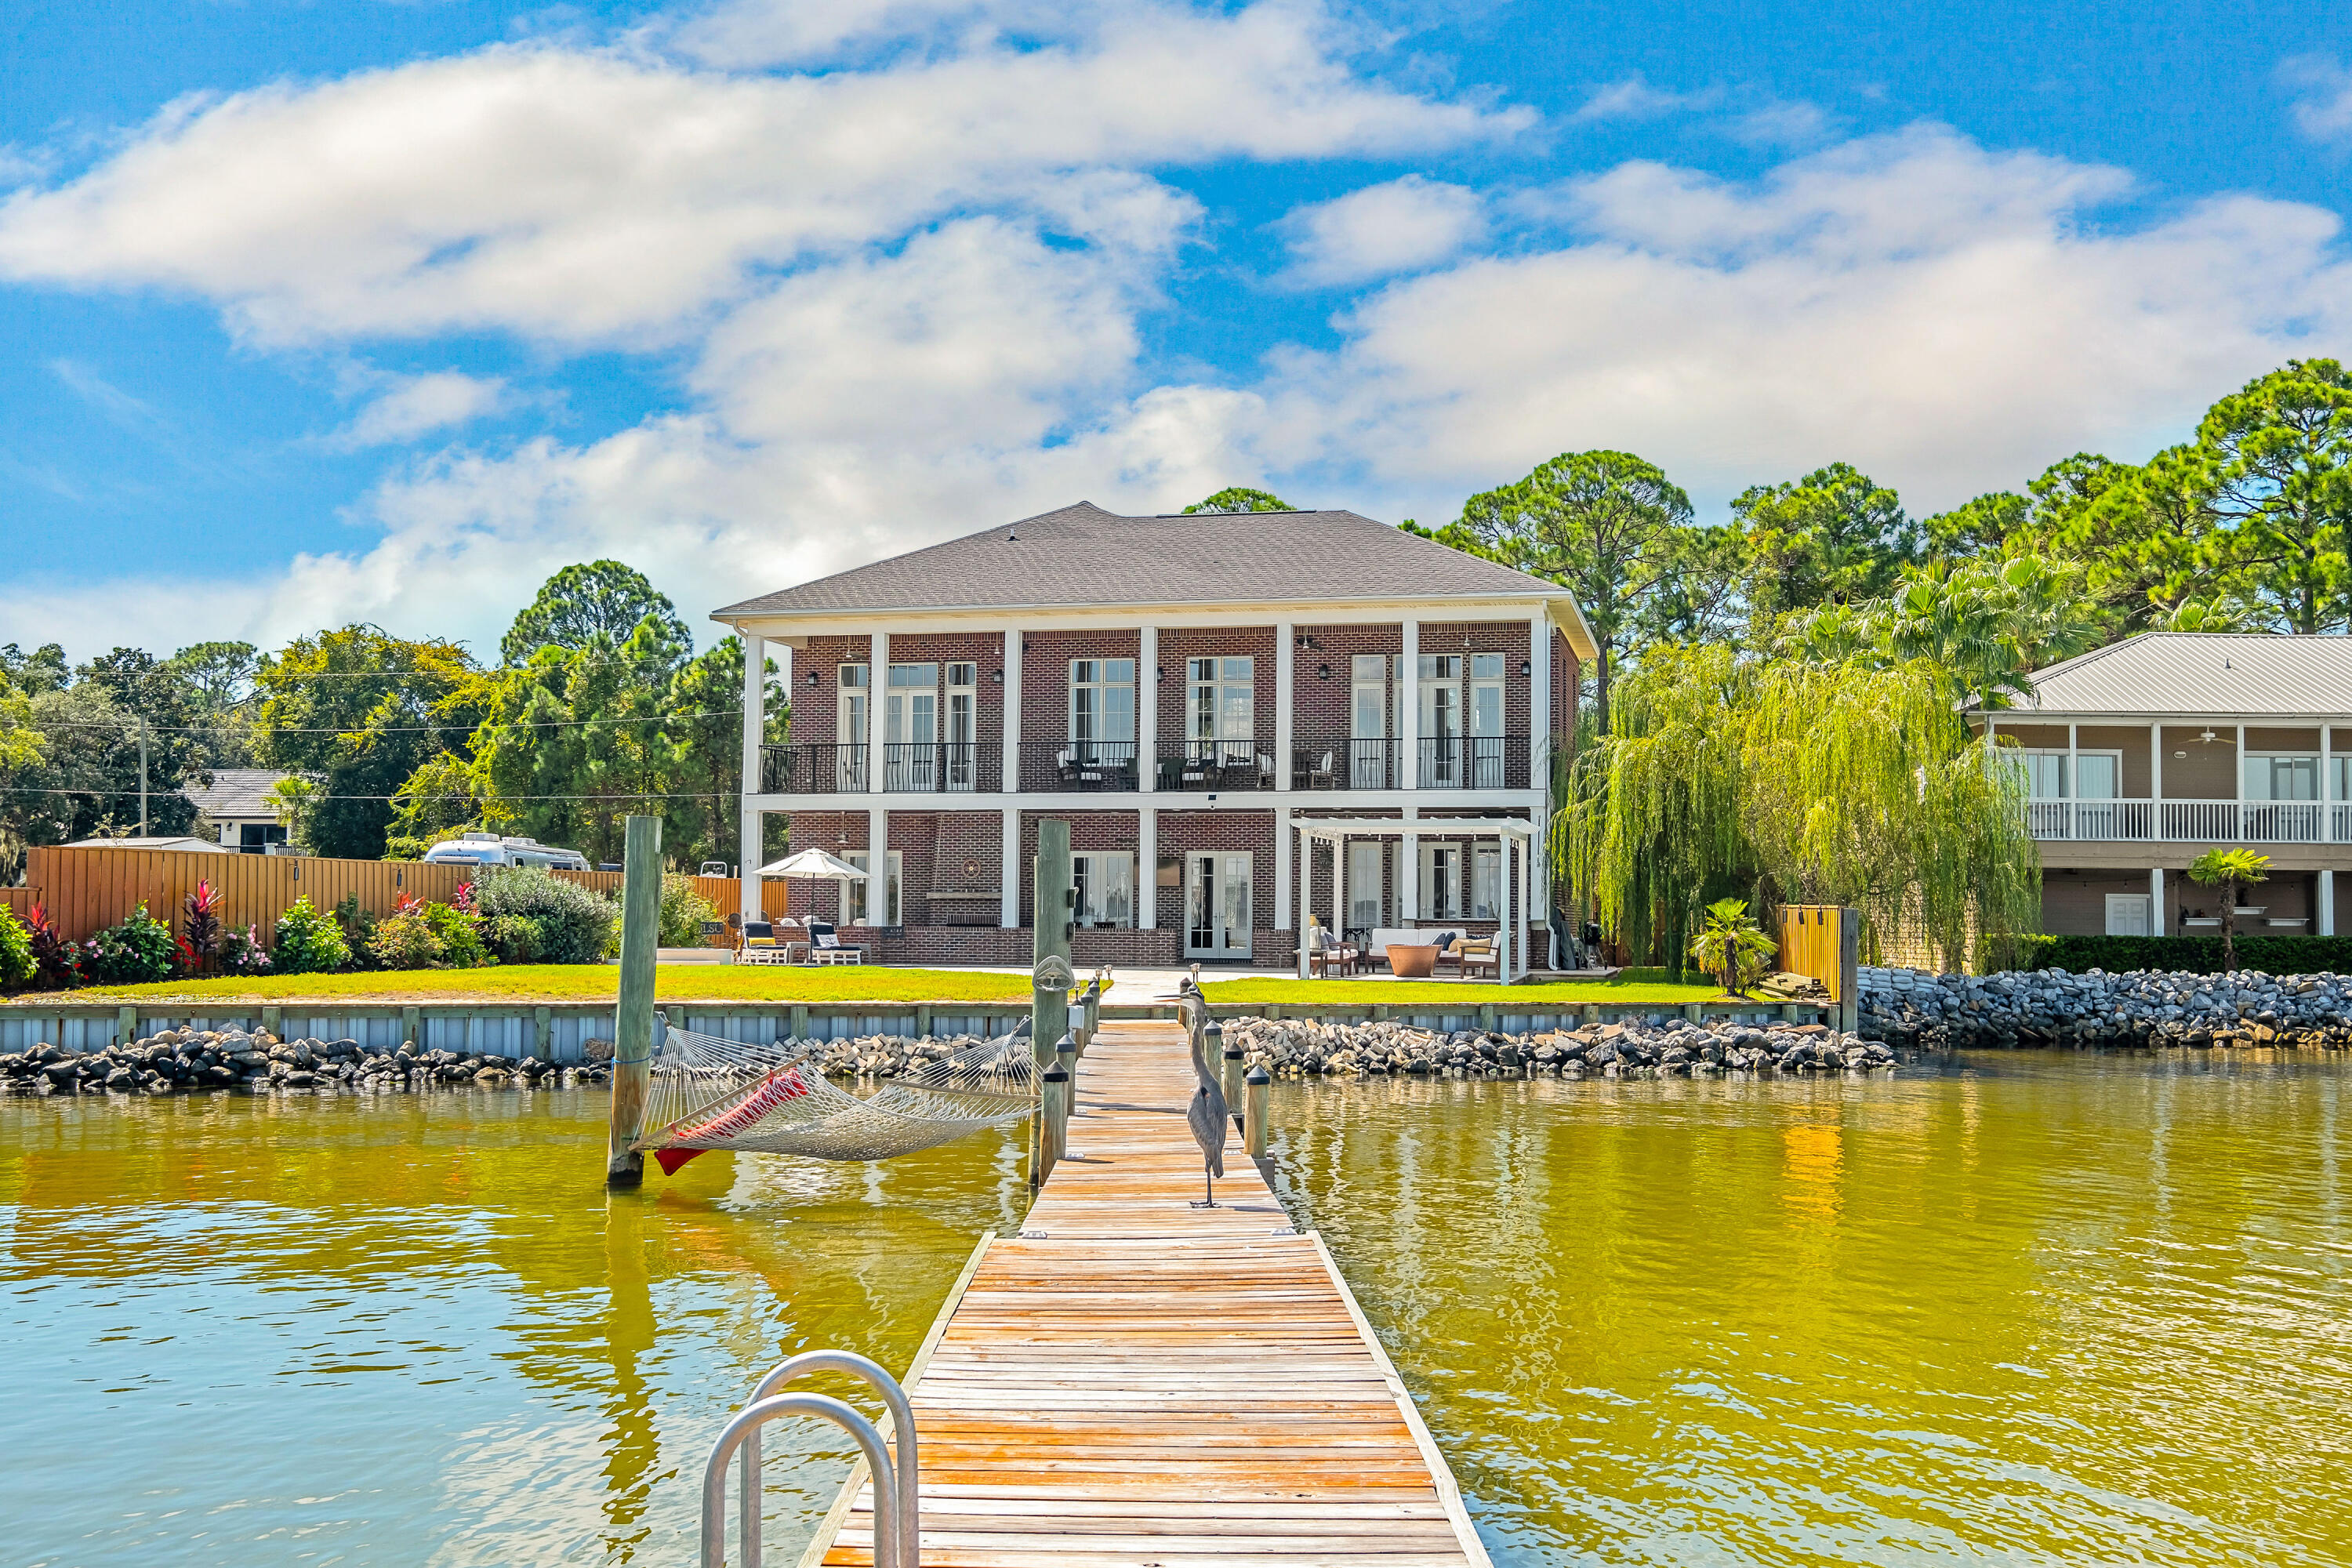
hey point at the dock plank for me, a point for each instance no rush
(1139, 1384)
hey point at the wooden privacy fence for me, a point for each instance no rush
(86, 891)
(1824, 940)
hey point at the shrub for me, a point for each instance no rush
(135, 951)
(404, 940)
(514, 939)
(1997, 951)
(58, 960)
(575, 926)
(308, 942)
(459, 932)
(358, 925)
(243, 952)
(683, 910)
(2196, 954)
(17, 966)
(200, 927)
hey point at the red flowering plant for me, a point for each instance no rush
(59, 961)
(200, 927)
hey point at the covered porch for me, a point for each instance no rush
(1514, 838)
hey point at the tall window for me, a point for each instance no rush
(849, 729)
(1105, 885)
(1368, 723)
(1486, 720)
(1441, 720)
(1487, 883)
(963, 722)
(910, 716)
(2282, 778)
(1224, 710)
(1102, 708)
(1441, 880)
(853, 894)
(1367, 894)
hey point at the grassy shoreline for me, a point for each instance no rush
(529, 983)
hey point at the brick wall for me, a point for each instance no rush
(1326, 707)
(1508, 638)
(1045, 661)
(1180, 643)
(1567, 688)
(963, 885)
(817, 708)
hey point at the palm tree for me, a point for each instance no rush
(1732, 946)
(292, 797)
(2230, 869)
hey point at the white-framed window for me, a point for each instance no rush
(910, 718)
(2096, 776)
(1486, 881)
(1442, 892)
(1102, 707)
(2339, 777)
(1106, 886)
(2272, 775)
(961, 724)
(1486, 720)
(1441, 722)
(1368, 722)
(1225, 708)
(1368, 899)
(853, 894)
(849, 728)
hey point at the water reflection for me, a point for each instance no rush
(2041, 1308)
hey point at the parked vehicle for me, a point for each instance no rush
(492, 849)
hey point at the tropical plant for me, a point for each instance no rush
(404, 940)
(359, 924)
(514, 939)
(58, 960)
(308, 942)
(575, 926)
(1731, 945)
(18, 967)
(2230, 870)
(200, 926)
(459, 932)
(683, 912)
(293, 798)
(135, 951)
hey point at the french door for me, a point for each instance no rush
(1217, 906)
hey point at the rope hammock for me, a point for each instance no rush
(710, 1093)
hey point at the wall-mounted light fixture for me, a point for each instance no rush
(1525, 667)
(996, 678)
(812, 678)
(1322, 672)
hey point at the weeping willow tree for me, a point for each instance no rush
(1799, 781)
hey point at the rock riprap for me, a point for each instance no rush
(1654, 1048)
(2149, 1008)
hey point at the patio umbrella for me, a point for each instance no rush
(814, 865)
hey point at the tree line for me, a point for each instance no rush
(597, 707)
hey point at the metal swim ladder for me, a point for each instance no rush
(893, 1462)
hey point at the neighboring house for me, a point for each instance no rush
(2142, 755)
(238, 806)
(1185, 692)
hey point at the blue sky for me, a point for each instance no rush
(382, 311)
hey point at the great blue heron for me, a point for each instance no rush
(1206, 1114)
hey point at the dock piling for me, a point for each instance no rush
(1261, 1106)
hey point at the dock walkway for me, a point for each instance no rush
(1136, 1382)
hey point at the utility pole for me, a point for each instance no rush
(143, 777)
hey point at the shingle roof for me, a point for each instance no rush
(235, 795)
(2204, 675)
(1082, 555)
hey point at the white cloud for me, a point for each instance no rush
(419, 404)
(1634, 99)
(1790, 125)
(1935, 313)
(1399, 227)
(583, 197)
(2322, 108)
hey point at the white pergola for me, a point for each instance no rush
(1512, 831)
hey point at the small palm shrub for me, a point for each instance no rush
(17, 966)
(1731, 947)
(308, 942)
(135, 951)
(575, 926)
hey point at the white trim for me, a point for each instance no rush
(1147, 709)
(1009, 761)
(1008, 903)
(751, 826)
(1282, 868)
(1147, 867)
(878, 681)
(1406, 721)
(800, 625)
(2323, 921)
(1129, 800)
(1286, 689)
(877, 858)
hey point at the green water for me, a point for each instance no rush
(2041, 1309)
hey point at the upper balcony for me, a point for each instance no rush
(1178, 767)
(2190, 821)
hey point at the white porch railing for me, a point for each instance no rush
(2190, 821)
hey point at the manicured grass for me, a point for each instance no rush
(580, 983)
(1456, 996)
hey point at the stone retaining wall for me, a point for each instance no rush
(2144, 1008)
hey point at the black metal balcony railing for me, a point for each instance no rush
(934, 767)
(806, 767)
(1343, 763)
(1473, 762)
(1210, 765)
(1064, 766)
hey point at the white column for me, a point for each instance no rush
(755, 717)
(1147, 867)
(1147, 712)
(878, 682)
(1008, 906)
(1407, 718)
(1285, 674)
(1012, 774)
(1408, 874)
(2324, 917)
(1540, 703)
(2157, 924)
(2327, 769)
(1503, 875)
(877, 866)
(1528, 908)
(1306, 885)
(2238, 826)
(2073, 779)
(2156, 780)
(1282, 871)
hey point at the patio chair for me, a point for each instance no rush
(1472, 953)
(1323, 950)
(1318, 771)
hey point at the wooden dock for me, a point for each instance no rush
(1136, 1382)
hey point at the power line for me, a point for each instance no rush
(394, 729)
(388, 799)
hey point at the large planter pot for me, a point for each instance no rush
(1412, 961)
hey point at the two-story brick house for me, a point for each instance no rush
(2140, 756)
(1185, 692)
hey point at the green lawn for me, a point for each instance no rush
(581, 983)
(1455, 996)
